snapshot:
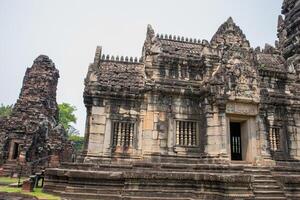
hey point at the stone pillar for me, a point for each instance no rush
(140, 132)
(107, 137)
(216, 134)
(150, 135)
(96, 131)
(223, 134)
(263, 139)
(87, 128)
(294, 136)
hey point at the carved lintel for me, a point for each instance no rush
(241, 108)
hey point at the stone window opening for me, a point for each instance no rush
(174, 72)
(123, 134)
(162, 71)
(186, 133)
(185, 73)
(275, 139)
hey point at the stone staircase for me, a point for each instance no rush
(265, 187)
(166, 180)
(169, 179)
(9, 168)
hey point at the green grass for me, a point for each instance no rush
(8, 180)
(36, 193)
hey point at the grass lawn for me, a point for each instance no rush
(8, 180)
(37, 191)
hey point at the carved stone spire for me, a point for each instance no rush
(229, 34)
(150, 36)
(281, 33)
(97, 57)
(150, 33)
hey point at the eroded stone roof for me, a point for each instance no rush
(115, 76)
(271, 62)
(180, 47)
(122, 75)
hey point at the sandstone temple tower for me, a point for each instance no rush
(32, 131)
(193, 119)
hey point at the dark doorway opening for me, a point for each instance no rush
(15, 151)
(235, 141)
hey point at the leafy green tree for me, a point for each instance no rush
(5, 111)
(66, 118)
(66, 115)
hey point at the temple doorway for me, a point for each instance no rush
(235, 141)
(15, 151)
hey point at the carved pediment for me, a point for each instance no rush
(242, 83)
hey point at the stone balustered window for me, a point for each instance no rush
(186, 133)
(174, 72)
(162, 71)
(184, 72)
(275, 139)
(123, 134)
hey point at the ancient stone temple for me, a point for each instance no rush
(31, 136)
(192, 119)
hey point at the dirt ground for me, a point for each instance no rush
(15, 196)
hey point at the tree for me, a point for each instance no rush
(67, 116)
(5, 111)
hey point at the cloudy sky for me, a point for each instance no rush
(68, 31)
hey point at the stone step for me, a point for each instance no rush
(162, 167)
(76, 195)
(257, 169)
(270, 198)
(80, 196)
(264, 181)
(273, 187)
(93, 190)
(11, 162)
(154, 192)
(153, 198)
(268, 192)
(265, 187)
(294, 195)
(9, 166)
(293, 189)
(261, 176)
(258, 172)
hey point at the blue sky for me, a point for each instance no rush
(68, 31)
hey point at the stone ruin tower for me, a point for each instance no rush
(32, 132)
